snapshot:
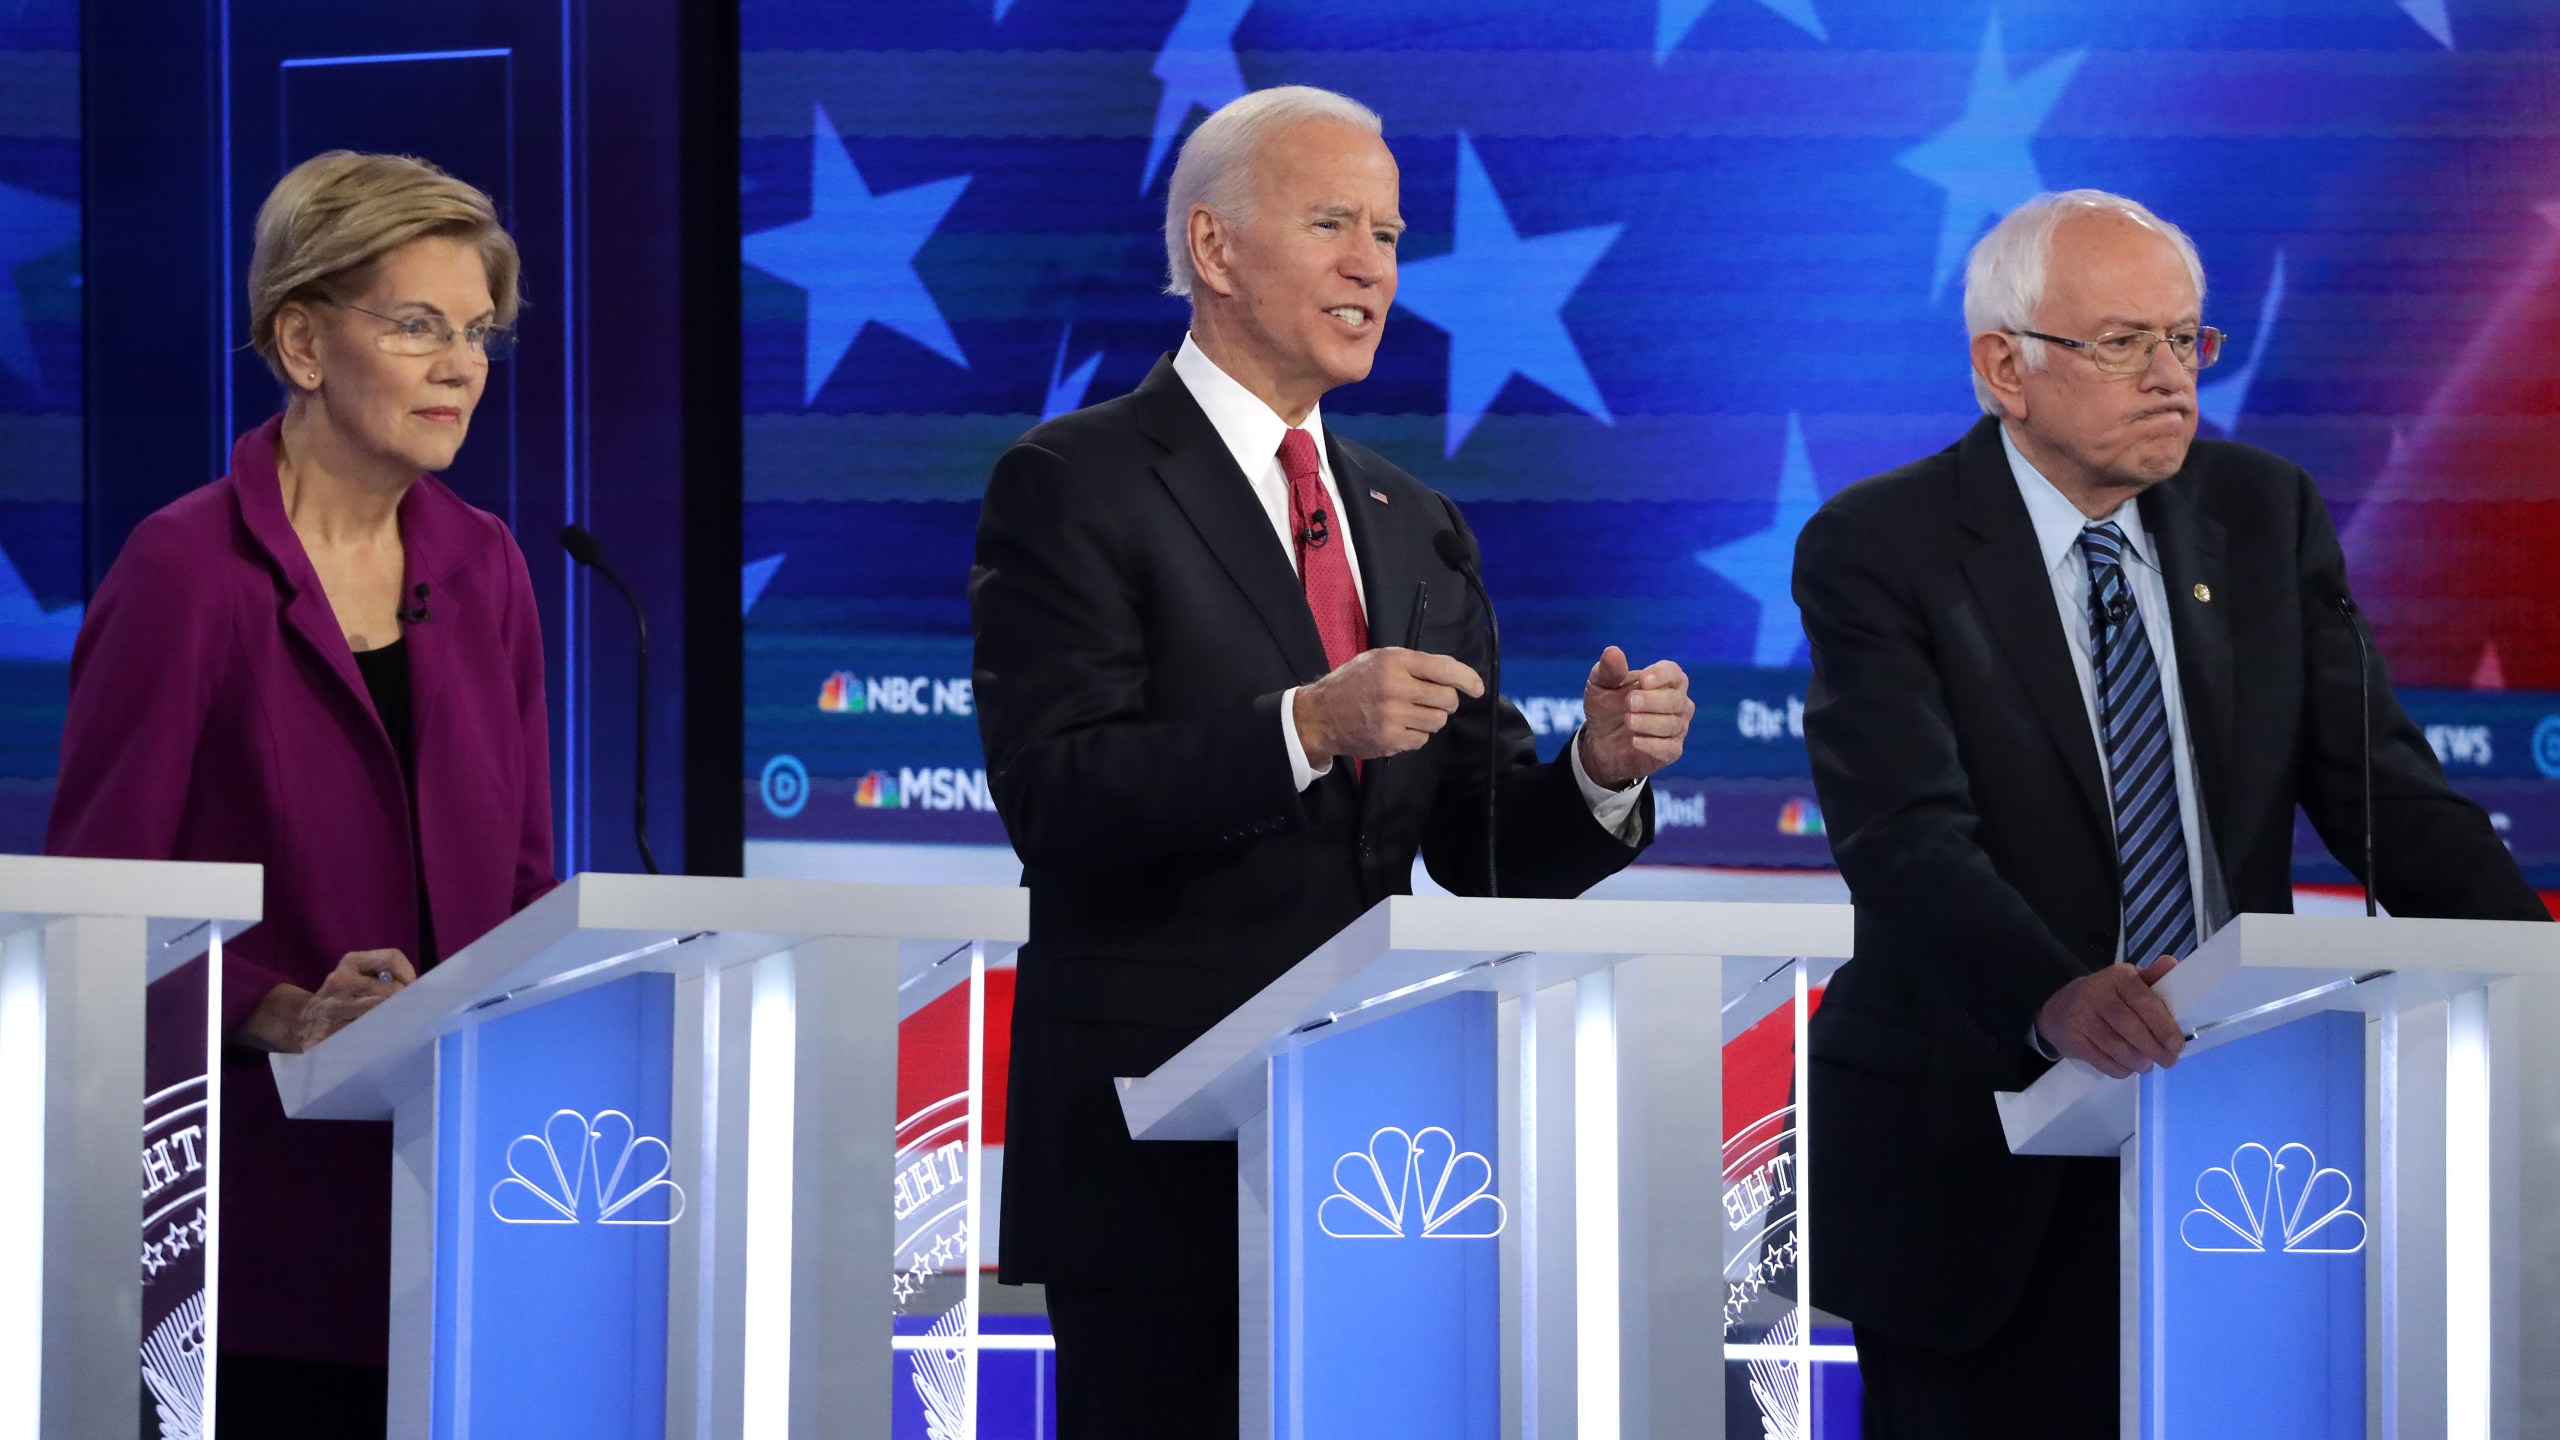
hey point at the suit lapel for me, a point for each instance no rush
(1201, 475)
(260, 494)
(1384, 540)
(2192, 557)
(2008, 575)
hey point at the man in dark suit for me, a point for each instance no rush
(2072, 676)
(1205, 757)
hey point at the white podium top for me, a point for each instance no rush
(2261, 971)
(179, 899)
(598, 927)
(1411, 949)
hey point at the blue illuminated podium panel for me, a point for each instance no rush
(1387, 1314)
(2252, 1237)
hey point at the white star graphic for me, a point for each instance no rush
(855, 255)
(1199, 70)
(31, 226)
(2221, 400)
(1673, 19)
(1762, 563)
(1067, 388)
(1502, 299)
(28, 631)
(1983, 160)
(2433, 17)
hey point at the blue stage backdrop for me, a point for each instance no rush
(41, 580)
(1678, 269)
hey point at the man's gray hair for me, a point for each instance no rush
(2004, 279)
(1216, 166)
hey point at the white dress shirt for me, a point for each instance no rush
(2058, 525)
(1252, 432)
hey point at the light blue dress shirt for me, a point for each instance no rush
(2058, 524)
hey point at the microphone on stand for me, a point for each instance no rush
(2335, 594)
(582, 547)
(1458, 552)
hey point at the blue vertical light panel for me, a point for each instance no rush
(554, 1194)
(2253, 1234)
(1386, 1281)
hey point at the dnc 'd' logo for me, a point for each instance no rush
(2280, 1200)
(1412, 1185)
(553, 1172)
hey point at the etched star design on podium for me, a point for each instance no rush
(1198, 69)
(1673, 20)
(1984, 161)
(855, 256)
(1501, 298)
(154, 1259)
(1762, 563)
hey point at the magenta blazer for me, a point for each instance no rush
(217, 714)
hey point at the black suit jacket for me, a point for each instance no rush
(1961, 788)
(1137, 621)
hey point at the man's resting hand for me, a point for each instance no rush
(2113, 1021)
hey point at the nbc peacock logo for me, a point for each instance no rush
(1800, 817)
(560, 1176)
(842, 694)
(2265, 1200)
(1412, 1185)
(876, 790)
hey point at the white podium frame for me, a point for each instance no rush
(2442, 1062)
(79, 942)
(788, 997)
(1611, 1266)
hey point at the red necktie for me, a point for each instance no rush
(1323, 568)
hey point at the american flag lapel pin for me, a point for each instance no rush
(1378, 495)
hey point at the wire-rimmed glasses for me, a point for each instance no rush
(2128, 352)
(419, 335)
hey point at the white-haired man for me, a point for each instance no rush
(2072, 676)
(1205, 756)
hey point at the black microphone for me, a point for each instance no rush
(2334, 592)
(1458, 552)
(582, 547)
(415, 614)
(1315, 534)
(2120, 609)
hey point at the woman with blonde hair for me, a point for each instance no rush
(328, 664)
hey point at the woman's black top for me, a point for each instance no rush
(386, 679)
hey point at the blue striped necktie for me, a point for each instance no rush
(2151, 848)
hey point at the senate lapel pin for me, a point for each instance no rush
(2205, 593)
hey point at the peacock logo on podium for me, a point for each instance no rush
(552, 1170)
(2288, 1190)
(1406, 1185)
